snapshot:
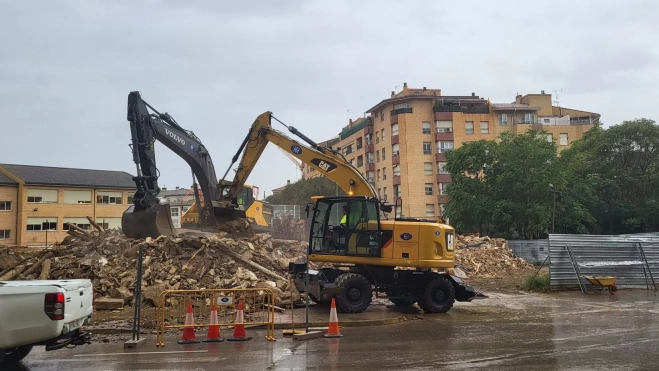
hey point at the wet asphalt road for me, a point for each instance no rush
(566, 331)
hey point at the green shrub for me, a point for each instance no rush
(534, 282)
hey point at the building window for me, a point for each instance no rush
(360, 161)
(397, 191)
(427, 148)
(369, 139)
(5, 234)
(42, 224)
(394, 129)
(563, 139)
(485, 127)
(369, 158)
(77, 197)
(442, 188)
(377, 156)
(528, 118)
(427, 168)
(42, 196)
(185, 209)
(381, 115)
(550, 138)
(425, 127)
(546, 121)
(377, 137)
(384, 192)
(371, 176)
(441, 168)
(384, 173)
(442, 147)
(382, 135)
(428, 188)
(397, 170)
(5, 205)
(384, 154)
(174, 211)
(503, 119)
(114, 198)
(378, 175)
(401, 105)
(360, 143)
(395, 150)
(379, 192)
(82, 223)
(444, 126)
(430, 210)
(442, 210)
(469, 127)
(109, 223)
(352, 162)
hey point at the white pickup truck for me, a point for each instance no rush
(49, 313)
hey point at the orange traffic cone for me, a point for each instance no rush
(188, 332)
(213, 329)
(333, 328)
(239, 328)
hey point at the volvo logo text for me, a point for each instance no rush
(174, 136)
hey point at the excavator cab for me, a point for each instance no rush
(347, 226)
(154, 221)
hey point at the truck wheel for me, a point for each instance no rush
(14, 355)
(358, 294)
(437, 295)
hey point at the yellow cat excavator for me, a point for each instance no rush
(149, 216)
(404, 258)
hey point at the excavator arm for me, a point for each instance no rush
(328, 162)
(147, 217)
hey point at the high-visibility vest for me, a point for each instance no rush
(344, 219)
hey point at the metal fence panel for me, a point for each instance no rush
(279, 211)
(598, 255)
(533, 251)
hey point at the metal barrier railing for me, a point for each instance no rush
(258, 309)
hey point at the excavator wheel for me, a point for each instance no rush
(154, 222)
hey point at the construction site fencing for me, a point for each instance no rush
(632, 259)
(292, 211)
(533, 251)
(258, 310)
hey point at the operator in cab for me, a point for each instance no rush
(344, 218)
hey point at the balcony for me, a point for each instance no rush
(396, 180)
(394, 139)
(395, 159)
(369, 148)
(443, 178)
(444, 136)
(370, 167)
(401, 111)
(442, 199)
(440, 157)
(438, 107)
(368, 129)
(394, 119)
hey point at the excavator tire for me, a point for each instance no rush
(437, 295)
(154, 222)
(357, 294)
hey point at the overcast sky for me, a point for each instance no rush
(66, 68)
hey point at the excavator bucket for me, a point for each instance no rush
(153, 222)
(228, 214)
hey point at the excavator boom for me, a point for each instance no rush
(148, 217)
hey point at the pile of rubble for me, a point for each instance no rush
(193, 260)
(487, 257)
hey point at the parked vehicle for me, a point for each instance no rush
(49, 313)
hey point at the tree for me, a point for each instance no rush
(300, 192)
(505, 188)
(617, 169)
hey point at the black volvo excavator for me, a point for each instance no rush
(148, 216)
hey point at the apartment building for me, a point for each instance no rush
(400, 145)
(36, 201)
